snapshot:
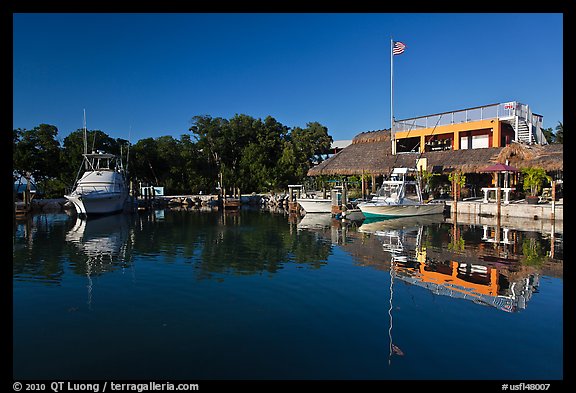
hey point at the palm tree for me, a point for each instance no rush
(560, 132)
(549, 135)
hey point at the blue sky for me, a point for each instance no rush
(146, 75)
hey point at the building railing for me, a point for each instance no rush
(503, 111)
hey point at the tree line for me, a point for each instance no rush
(243, 152)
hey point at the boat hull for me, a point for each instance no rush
(383, 210)
(315, 205)
(353, 214)
(101, 205)
(99, 191)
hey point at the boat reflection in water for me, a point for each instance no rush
(104, 242)
(502, 284)
(316, 220)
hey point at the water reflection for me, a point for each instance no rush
(103, 240)
(241, 242)
(495, 268)
(382, 227)
(254, 285)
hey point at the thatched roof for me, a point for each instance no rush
(371, 152)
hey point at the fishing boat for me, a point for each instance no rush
(399, 197)
(103, 188)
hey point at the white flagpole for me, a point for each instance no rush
(392, 95)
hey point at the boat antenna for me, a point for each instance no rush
(85, 135)
(128, 152)
(93, 141)
(85, 140)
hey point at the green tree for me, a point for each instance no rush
(198, 174)
(259, 162)
(145, 161)
(240, 131)
(312, 142)
(36, 154)
(210, 134)
(308, 146)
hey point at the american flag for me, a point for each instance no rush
(398, 48)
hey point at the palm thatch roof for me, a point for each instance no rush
(371, 152)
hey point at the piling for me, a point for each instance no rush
(498, 203)
(553, 214)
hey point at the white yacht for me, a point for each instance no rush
(102, 189)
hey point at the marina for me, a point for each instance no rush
(421, 244)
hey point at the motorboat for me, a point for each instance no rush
(102, 188)
(400, 196)
(315, 205)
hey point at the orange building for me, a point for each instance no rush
(495, 125)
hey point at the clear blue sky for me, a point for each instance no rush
(151, 73)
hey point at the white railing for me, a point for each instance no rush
(502, 110)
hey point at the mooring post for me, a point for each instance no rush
(363, 184)
(455, 197)
(553, 215)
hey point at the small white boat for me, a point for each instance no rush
(399, 197)
(310, 202)
(102, 189)
(315, 205)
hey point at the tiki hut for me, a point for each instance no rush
(371, 153)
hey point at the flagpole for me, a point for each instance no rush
(392, 95)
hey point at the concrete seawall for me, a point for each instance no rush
(513, 209)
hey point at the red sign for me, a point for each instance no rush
(509, 105)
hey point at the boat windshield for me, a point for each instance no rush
(390, 190)
(397, 190)
(101, 162)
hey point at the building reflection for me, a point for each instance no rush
(500, 282)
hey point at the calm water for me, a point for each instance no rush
(262, 295)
